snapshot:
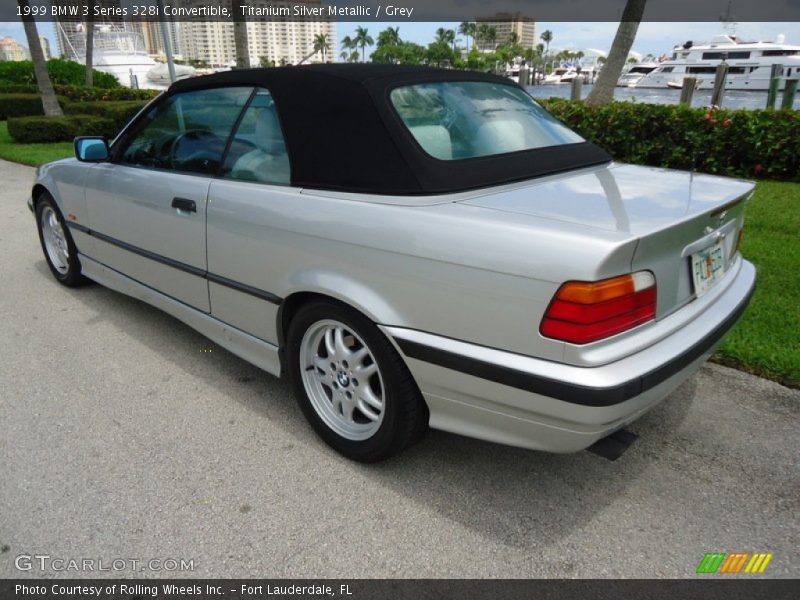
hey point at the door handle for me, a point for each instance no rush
(184, 204)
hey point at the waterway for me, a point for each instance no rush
(702, 98)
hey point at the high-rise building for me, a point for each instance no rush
(504, 25)
(45, 47)
(12, 50)
(154, 38)
(277, 38)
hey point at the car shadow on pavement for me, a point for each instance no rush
(516, 497)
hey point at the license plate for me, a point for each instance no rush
(708, 266)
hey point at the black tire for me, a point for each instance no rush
(405, 415)
(70, 273)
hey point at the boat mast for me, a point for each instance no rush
(728, 20)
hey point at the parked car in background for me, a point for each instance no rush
(413, 247)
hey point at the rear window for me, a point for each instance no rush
(457, 120)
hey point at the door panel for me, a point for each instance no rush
(147, 208)
(140, 234)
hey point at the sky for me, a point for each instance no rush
(652, 38)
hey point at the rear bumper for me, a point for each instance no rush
(532, 403)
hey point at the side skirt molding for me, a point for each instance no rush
(252, 349)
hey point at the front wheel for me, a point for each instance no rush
(351, 384)
(57, 244)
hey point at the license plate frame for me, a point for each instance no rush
(708, 267)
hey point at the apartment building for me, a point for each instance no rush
(12, 50)
(505, 24)
(278, 39)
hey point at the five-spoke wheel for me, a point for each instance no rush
(352, 385)
(342, 379)
(57, 245)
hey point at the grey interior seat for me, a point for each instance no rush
(268, 162)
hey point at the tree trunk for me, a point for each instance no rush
(90, 47)
(49, 100)
(240, 39)
(603, 89)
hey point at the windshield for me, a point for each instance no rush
(460, 120)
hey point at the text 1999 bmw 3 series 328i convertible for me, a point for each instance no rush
(412, 247)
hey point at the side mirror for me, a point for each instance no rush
(91, 149)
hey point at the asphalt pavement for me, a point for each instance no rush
(126, 435)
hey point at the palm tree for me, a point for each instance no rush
(547, 37)
(389, 37)
(89, 77)
(603, 89)
(446, 36)
(348, 43)
(321, 44)
(240, 39)
(491, 36)
(363, 40)
(49, 100)
(467, 29)
(482, 33)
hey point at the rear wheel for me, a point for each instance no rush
(351, 384)
(57, 244)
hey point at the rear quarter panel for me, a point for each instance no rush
(454, 270)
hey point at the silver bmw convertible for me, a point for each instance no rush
(412, 247)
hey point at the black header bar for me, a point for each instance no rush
(406, 589)
(404, 10)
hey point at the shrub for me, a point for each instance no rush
(119, 112)
(79, 93)
(22, 105)
(739, 143)
(35, 130)
(62, 72)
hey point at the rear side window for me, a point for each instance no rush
(457, 120)
(187, 132)
(258, 151)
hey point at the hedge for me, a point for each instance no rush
(34, 130)
(739, 143)
(62, 72)
(119, 112)
(23, 105)
(79, 93)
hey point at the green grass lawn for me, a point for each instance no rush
(31, 154)
(766, 341)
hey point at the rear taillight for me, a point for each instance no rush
(584, 311)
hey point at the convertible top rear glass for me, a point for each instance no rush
(456, 120)
(343, 132)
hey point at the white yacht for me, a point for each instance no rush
(633, 75)
(557, 75)
(120, 51)
(588, 74)
(749, 64)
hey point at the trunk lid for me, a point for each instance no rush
(675, 216)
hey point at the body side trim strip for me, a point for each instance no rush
(241, 287)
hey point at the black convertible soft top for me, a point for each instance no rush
(342, 132)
